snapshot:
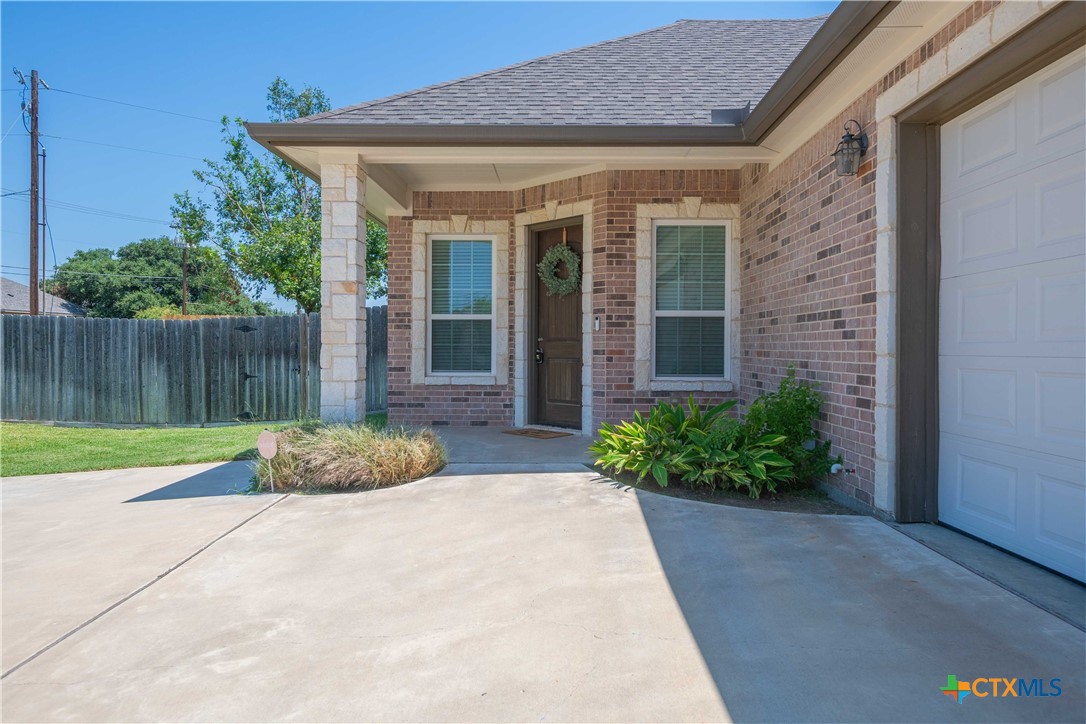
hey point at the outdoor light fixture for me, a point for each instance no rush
(849, 151)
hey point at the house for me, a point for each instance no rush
(15, 299)
(936, 295)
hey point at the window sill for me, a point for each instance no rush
(461, 380)
(690, 385)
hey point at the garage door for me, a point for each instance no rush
(1012, 320)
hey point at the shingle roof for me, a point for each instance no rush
(15, 299)
(673, 75)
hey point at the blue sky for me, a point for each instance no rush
(213, 59)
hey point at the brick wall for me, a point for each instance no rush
(419, 404)
(808, 273)
(615, 196)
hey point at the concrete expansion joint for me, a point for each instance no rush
(141, 589)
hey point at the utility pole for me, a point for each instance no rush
(181, 242)
(34, 192)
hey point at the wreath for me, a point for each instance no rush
(548, 270)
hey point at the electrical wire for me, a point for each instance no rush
(93, 211)
(66, 272)
(7, 132)
(133, 105)
(126, 148)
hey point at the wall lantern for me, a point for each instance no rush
(849, 151)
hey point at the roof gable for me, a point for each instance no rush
(673, 75)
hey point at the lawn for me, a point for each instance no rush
(30, 449)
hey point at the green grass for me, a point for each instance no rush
(31, 449)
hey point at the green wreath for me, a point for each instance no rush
(548, 270)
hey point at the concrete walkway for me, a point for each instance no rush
(493, 597)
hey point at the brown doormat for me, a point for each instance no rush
(538, 434)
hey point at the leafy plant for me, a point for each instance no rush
(791, 412)
(701, 448)
(265, 215)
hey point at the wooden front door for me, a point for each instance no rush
(555, 350)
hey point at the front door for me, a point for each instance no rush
(555, 349)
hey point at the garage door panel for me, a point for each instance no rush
(1030, 124)
(1033, 310)
(1061, 95)
(1033, 403)
(1036, 215)
(1058, 497)
(1029, 504)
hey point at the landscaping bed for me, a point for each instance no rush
(809, 500)
(323, 458)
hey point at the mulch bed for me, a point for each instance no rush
(805, 501)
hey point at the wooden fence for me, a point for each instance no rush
(134, 371)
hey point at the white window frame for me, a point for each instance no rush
(725, 314)
(431, 317)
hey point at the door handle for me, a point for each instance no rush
(539, 355)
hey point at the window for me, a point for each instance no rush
(689, 322)
(461, 306)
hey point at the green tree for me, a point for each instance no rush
(146, 274)
(266, 215)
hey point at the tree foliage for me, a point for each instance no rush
(147, 274)
(265, 215)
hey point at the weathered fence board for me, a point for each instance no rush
(129, 371)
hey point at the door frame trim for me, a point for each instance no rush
(526, 223)
(532, 329)
(914, 245)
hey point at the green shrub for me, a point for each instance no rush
(791, 412)
(313, 456)
(702, 449)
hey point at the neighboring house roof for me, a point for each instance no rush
(675, 75)
(15, 299)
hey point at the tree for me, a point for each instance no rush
(147, 274)
(266, 215)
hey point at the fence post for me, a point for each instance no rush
(303, 365)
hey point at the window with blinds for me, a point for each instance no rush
(461, 306)
(689, 323)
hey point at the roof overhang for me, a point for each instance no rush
(858, 43)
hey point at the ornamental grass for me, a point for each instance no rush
(322, 458)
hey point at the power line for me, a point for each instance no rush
(67, 272)
(126, 148)
(134, 105)
(93, 211)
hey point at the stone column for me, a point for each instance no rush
(343, 292)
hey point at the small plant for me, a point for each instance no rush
(791, 412)
(313, 456)
(700, 448)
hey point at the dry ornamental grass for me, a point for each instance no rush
(347, 457)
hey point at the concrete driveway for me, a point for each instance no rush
(479, 595)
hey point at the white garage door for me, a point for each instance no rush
(1012, 319)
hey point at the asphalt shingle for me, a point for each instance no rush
(672, 75)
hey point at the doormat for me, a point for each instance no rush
(538, 434)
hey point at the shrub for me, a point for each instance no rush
(315, 457)
(791, 412)
(699, 448)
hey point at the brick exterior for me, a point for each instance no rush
(806, 276)
(615, 196)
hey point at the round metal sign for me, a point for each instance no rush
(266, 444)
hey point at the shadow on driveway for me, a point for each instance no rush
(221, 480)
(836, 618)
